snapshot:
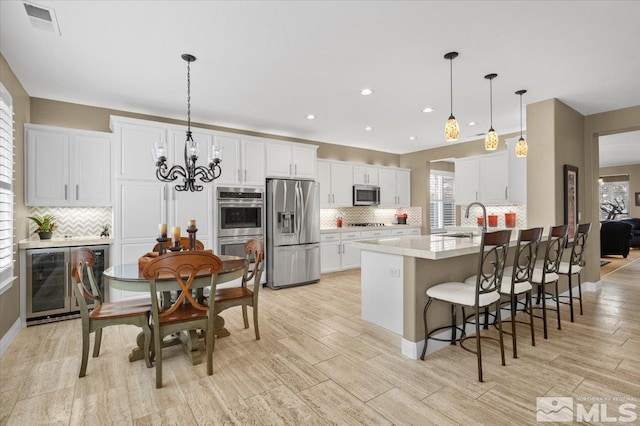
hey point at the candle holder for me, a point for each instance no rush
(176, 246)
(192, 237)
(162, 241)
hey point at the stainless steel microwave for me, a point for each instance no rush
(366, 195)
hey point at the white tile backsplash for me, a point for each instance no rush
(364, 214)
(75, 221)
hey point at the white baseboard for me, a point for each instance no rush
(9, 336)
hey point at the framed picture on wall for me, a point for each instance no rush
(571, 198)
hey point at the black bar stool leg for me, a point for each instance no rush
(499, 319)
(426, 330)
(513, 325)
(570, 298)
(478, 348)
(558, 306)
(530, 301)
(453, 324)
(544, 311)
(580, 292)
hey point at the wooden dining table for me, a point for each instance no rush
(128, 276)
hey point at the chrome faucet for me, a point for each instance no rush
(484, 214)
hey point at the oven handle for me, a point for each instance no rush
(240, 203)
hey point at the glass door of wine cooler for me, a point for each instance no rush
(47, 282)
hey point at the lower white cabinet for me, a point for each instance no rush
(338, 253)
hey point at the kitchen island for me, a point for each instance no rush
(396, 272)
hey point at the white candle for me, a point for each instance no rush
(163, 230)
(176, 233)
(192, 223)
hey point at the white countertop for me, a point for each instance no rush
(434, 246)
(35, 242)
(366, 228)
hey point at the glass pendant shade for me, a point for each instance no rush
(451, 130)
(491, 141)
(521, 148)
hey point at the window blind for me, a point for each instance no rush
(442, 207)
(6, 190)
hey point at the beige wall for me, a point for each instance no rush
(10, 300)
(633, 171)
(75, 116)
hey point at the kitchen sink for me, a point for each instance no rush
(459, 235)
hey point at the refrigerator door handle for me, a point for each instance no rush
(299, 209)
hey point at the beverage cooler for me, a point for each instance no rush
(50, 295)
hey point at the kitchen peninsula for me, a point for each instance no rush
(396, 273)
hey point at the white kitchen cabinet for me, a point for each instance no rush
(395, 187)
(330, 252)
(67, 167)
(290, 160)
(350, 256)
(243, 161)
(517, 174)
(365, 175)
(490, 179)
(134, 141)
(401, 232)
(335, 184)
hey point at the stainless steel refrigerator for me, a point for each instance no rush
(293, 232)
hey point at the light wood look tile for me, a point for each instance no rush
(318, 363)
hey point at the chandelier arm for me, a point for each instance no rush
(171, 174)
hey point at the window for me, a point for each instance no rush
(614, 197)
(442, 208)
(6, 190)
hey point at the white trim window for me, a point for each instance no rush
(6, 191)
(442, 208)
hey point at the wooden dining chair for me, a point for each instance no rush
(184, 242)
(184, 313)
(133, 312)
(243, 296)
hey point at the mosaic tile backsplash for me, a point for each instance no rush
(75, 221)
(363, 214)
(519, 209)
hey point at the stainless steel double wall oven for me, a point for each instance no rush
(240, 217)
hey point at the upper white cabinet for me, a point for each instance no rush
(490, 179)
(336, 183)
(395, 187)
(67, 167)
(365, 175)
(134, 141)
(291, 160)
(243, 160)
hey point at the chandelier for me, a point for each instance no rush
(189, 172)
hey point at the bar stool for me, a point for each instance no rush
(515, 281)
(493, 254)
(575, 264)
(546, 273)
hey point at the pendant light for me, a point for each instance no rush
(521, 146)
(491, 141)
(451, 129)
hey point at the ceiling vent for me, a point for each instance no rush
(43, 18)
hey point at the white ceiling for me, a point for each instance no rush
(264, 66)
(619, 149)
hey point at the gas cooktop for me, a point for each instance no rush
(368, 224)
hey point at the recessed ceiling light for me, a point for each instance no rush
(412, 138)
(366, 92)
(368, 128)
(311, 117)
(428, 109)
(471, 123)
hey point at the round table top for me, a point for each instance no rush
(131, 271)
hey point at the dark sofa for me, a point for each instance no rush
(614, 238)
(635, 231)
